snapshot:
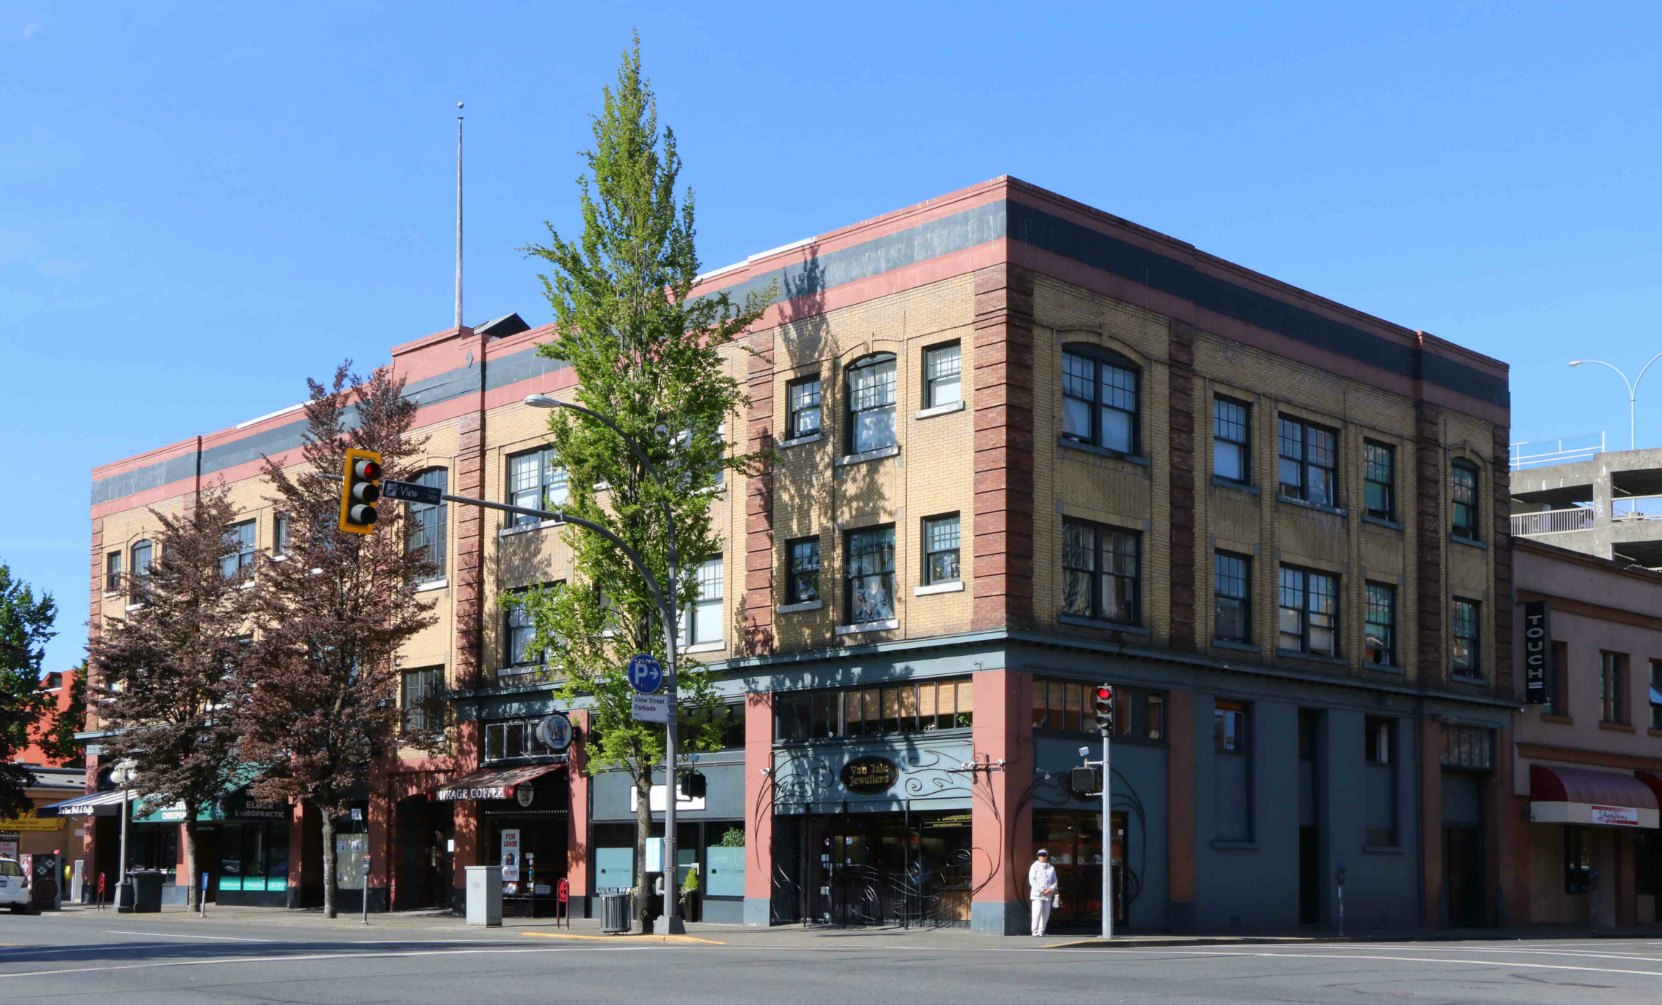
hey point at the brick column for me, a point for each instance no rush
(305, 869)
(1431, 537)
(758, 801)
(1501, 824)
(1500, 546)
(1181, 466)
(1180, 811)
(757, 603)
(578, 827)
(1431, 822)
(378, 845)
(1003, 379)
(1001, 820)
(470, 554)
(466, 819)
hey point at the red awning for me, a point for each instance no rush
(1599, 798)
(492, 783)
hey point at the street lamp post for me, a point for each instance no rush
(1632, 393)
(122, 775)
(667, 615)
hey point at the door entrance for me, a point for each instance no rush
(887, 869)
(1463, 876)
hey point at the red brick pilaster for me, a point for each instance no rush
(1180, 810)
(1181, 461)
(1431, 534)
(577, 819)
(1004, 422)
(1001, 824)
(1500, 546)
(757, 603)
(1431, 821)
(470, 552)
(758, 801)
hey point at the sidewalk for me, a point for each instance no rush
(441, 923)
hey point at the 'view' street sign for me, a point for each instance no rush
(650, 708)
(430, 495)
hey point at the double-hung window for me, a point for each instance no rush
(1613, 688)
(1100, 572)
(1379, 627)
(421, 707)
(139, 583)
(1099, 399)
(112, 572)
(1656, 694)
(802, 571)
(940, 549)
(1379, 470)
(535, 483)
(1232, 597)
(424, 534)
(943, 379)
(282, 535)
(1309, 619)
(1463, 639)
(1309, 461)
(871, 403)
(701, 623)
(1231, 440)
(519, 628)
(802, 408)
(237, 562)
(868, 560)
(1463, 496)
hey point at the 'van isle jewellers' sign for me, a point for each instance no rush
(1537, 651)
(869, 775)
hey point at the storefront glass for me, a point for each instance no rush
(1074, 841)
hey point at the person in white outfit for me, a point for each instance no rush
(1041, 884)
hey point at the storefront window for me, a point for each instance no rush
(254, 857)
(873, 711)
(1074, 841)
(513, 739)
(1063, 706)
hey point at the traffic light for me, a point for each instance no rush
(693, 785)
(1104, 708)
(360, 488)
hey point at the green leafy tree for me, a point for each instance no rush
(172, 670)
(25, 628)
(650, 356)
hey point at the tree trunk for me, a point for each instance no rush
(643, 827)
(329, 887)
(193, 888)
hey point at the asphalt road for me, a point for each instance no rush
(185, 961)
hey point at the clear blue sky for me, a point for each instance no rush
(201, 205)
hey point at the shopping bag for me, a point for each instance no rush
(1055, 901)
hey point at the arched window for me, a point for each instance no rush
(426, 529)
(1463, 497)
(139, 578)
(871, 403)
(1099, 399)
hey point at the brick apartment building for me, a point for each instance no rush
(1018, 447)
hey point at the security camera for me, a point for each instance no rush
(1084, 751)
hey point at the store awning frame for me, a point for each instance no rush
(1560, 795)
(99, 804)
(491, 783)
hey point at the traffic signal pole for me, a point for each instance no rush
(1107, 840)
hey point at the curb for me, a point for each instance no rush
(692, 940)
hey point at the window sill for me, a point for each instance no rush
(1226, 845)
(1295, 654)
(1617, 727)
(1235, 645)
(1219, 482)
(526, 528)
(1091, 448)
(1390, 668)
(1318, 507)
(1562, 720)
(1383, 849)
(800, 606)
(433, 584)
(246, 584)
(869, 455)
(868, 626)
(801, 441)
(955, 586)
(1653, 731)
(930, 413)
(705, 647)
(1460, 678)
(134, 607)
(1108, 626)
(1470, 542)
(112, 594)
(1379, 521)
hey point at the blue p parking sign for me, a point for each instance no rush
(646, 674)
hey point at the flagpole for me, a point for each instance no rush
(458, 214)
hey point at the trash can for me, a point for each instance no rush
(484, 895)
(614, 912)
(148, 885)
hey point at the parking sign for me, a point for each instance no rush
(646, 674)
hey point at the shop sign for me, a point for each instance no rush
(510, 856)
(249, 808)
(1537, 651)
(10, 841)
(554, 732)
(869, 775)
(450, 794)
(1619, 816)
(30, 822)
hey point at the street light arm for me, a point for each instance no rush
(1619, 373)
(1642, 370)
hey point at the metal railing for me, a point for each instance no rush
(1636, 508)
(1552, 521)
(1563, 450)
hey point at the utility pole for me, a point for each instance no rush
(1105, 727)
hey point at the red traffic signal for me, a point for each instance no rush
(360, 489)
(1104, 708)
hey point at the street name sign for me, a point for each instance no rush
(428, 495)
(650, 707)
(646, 674)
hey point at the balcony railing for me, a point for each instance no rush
(1636, 508)
(1564, 449)
(1552, 521)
